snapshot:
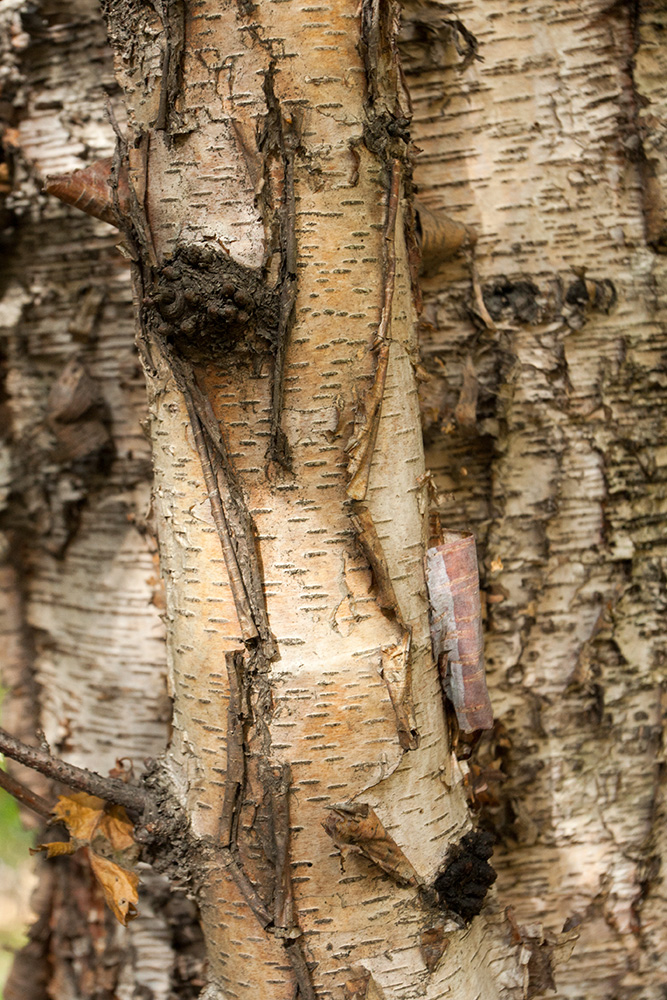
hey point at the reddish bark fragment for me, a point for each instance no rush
(456, 628)
(90, 191)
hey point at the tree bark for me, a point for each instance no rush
(262, 178)
(543, 419)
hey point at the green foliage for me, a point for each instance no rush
(14, 840)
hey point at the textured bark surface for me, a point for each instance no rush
(266, 152)
(295, 165)
(544, 421)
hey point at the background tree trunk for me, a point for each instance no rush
(543, 349)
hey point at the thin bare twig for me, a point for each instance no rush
(109, 789)
(24, 795)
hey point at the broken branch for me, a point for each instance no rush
(111, 789)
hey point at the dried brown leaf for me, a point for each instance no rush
(56, 848)
(119, 887)
(80, 813)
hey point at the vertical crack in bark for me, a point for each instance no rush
(172, 15)
(280, 137)
(362, 445)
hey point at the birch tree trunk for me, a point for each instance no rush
(261, 177)
(544, 420)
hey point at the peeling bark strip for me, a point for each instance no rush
(456, 628)
(280, 138)
(362, 444)
(235, 766)
(433, 946)
(439, 237)
(356, 827)
(275, 780)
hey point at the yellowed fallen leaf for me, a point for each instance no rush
(80, 813)
(117, 829)
(106, 830)
(119, 887)
(56, 848)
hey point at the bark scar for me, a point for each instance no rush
(280, 135)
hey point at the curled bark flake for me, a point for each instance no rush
(440, 238)
(83, 323)
(77, 416)
(540, 953)
(433, 945)
(355, 827)
(456, 628)
(397, 675)
(73, 393)
(89, 190)
(362, 445)
(477, 306)
(465, 411)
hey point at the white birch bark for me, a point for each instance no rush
(542, 436)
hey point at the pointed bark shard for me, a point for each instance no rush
(433, 946)
(440, 238)
(452, 579)
(397, 675)
(371, 546)
(360, 985)
(354, 826)
(89, 190)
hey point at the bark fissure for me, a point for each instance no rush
(275, 782)
(362, 444)
(280, 138)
